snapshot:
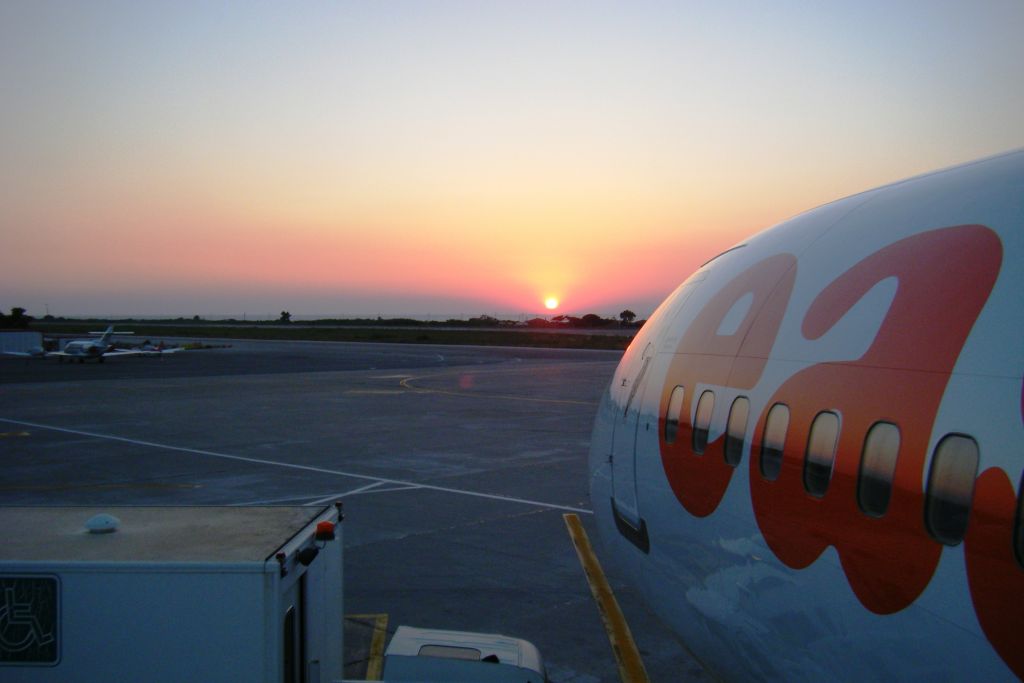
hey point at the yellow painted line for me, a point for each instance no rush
(373, 392)
(4, 435)
(375, 666)
(375, 660)
(407, 383)
(631, 666)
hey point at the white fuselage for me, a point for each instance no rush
(87, 348)
(809, 458)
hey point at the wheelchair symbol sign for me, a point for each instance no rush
(29, 620)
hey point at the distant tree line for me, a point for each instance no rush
(590, 320)
(17, 320)
(627, 319)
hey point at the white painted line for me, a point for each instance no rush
(296, 466)
(392, 489)
(369, 488)
(353, 492)
(273, 501)
(362, 488)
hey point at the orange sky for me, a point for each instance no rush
(188, 159)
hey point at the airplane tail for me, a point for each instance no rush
(107, 335)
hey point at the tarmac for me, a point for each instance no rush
(455, 466)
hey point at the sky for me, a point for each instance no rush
(453, 159)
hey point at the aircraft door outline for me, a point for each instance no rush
(623, 457)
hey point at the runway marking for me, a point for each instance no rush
(631, 666)
(356, 492)
(305, 468)
(407, 383)
(369, 488)
(375, 660)
(410, 487)
(372, 392)
(273, 501)
(109, 486)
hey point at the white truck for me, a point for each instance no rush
(202, 594)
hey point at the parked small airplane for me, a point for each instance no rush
(809, 459)
(93, 349)
(159, 349)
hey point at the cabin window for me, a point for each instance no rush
(702, 421)
(773, 440)
(675, 407)
(736, 431)
(877, 468)
(821, 453)
(951, 488)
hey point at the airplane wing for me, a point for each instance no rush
(160, 350)
(89, 356)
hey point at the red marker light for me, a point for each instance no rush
(325, 531)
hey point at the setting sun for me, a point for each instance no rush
(551, 303)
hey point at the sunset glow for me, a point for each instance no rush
(386, 159)
(551, 303)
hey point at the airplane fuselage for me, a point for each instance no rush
(95, 349)
(809, 457)
(86, 349)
